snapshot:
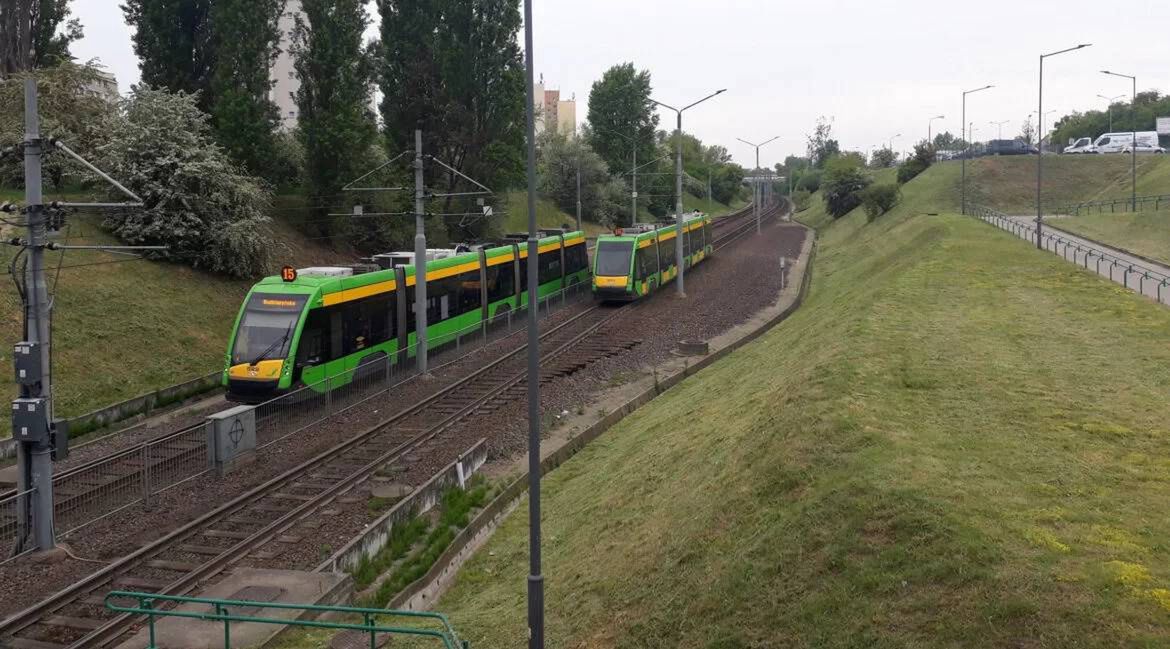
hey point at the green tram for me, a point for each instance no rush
(634, 262)
(305, 326)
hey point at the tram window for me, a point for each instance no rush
(524, 274)
(501, 281)
(576, 259)
(550, 266)
(645, 262)
(442, 295)
(706, 234)
(313, 348)
(469, 297)
(665, 254)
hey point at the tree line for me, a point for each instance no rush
(452, 68)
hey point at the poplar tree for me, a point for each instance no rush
(336, 124)
(29, 35)
(247, 34)
(174, 43)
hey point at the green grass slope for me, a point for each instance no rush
(956, 442)
(1144, 233)
(1008, 183)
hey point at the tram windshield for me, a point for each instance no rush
(267, 328)
(613, 258)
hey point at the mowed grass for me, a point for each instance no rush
(956, 442)
(1143, 233)
(548, 215)
(1008, 183)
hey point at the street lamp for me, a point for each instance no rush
(967, 143)
(929, 133)
(1040, 138)
(1133, 124)
(1110, 108)
(756, 193)
(1000, 125)
(535, 578)
(678, 247)
(891, 145)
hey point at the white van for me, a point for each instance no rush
(1117, 142)
(1082, 145)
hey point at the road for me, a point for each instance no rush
(1140, 275)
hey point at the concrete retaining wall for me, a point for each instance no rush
(374, 538)
(141, 405)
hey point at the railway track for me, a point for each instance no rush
(80, 489)
(287, 506)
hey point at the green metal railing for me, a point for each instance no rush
(221, 612)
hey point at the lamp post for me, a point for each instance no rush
(1109, 109)
(756, 193)
(967, 144)
(1133, 125)
(535, 578)
(1040, 138)
(929, 131)
(1000, 125)
(891, 145)
(678, 247)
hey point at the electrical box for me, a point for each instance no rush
(29, 420)
(59, 440)
(26, 359)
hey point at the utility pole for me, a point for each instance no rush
(758, 194)
(578, 186)
(420, 258)
(708, 190)
(634, 191)
(535, 578)
(40, 437)
(967, 150)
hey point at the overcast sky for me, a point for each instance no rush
(876, 68)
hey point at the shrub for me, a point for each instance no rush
(842, 185)
(810, 181)
(801, 198)
(922, 159)
(879, 199)
(196, 200)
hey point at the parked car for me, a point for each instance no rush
(1144, 148)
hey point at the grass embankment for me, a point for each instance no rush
(1008, 183)
(548, 215)
(956, 442)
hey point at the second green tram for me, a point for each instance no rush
(304, 328)
(632, 263)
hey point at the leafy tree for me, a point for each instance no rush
(69, 112)
(175, 44)
(879, 199)
(810, 180)
(842, 184)
(558, 159)
(335, 123)
(923, 157)
(29, 37)
(622, 117)
(1028, 132)
(1127, 116)
(197, 201)
(246, 37)
(821, 145)
(454, 69)
(883, 157)
(946, 141)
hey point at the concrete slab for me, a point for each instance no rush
(9, 476)
(284, 586)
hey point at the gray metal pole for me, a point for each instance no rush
(708, 190)
(634, 191)
(678, 244)
(758, 192)
(1133, 146)
(535, 578)
(1040, 154)
(39, 468)
(963, 157)
(420, 257)
(578, 186)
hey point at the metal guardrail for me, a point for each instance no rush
(1113, 206)
(220, 611)
(14, 527)
(1081, 253)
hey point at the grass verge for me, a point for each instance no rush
(1143, 233)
